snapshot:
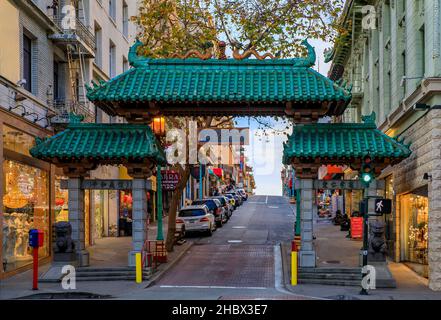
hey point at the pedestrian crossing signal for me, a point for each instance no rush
(366, 171)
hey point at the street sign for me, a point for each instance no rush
(170, 179)
(383, 206)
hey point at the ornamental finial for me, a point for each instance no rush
(75, 118)
(369, 119)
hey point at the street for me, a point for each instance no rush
(240, 261)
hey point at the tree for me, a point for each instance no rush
(170, 27)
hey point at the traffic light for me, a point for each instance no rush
(367, 174)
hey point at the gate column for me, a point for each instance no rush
(76, 219)
(139, 217)
(307, 254)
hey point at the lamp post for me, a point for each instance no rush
(158, 126)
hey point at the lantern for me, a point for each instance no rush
(158, 126)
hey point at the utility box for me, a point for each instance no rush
(36, 238)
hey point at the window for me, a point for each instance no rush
(56, 87)
(422, 59)
(125, 19)
(27, 62)
(125, 64)
(98, 45)
(112, 62)
(112, 9)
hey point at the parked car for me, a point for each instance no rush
(215, 208)
(228, 207)
(243, 194)
(237, 197)
(195, 219)
(232, 200)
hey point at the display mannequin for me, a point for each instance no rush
(11, 240)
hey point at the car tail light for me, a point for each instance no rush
(204, 219)
(179, 221)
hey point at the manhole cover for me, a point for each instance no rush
(332, 262)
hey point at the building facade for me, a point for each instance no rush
(390, 52)
(54, 49)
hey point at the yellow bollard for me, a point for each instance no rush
(293, 268)
(138, 268)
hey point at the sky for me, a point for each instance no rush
(265, 153)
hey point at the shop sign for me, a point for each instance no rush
(357, 227)
(343, 184)
(108, 184)
(170, 179)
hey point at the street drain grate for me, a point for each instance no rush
(332, 262)
(64, 296)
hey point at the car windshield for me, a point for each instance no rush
(222, 200)
(209, 203)
(191, 213)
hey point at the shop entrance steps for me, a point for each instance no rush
(330, 276)
(109, 274)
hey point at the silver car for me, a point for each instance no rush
(195, 219)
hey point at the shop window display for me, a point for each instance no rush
(25, 206)
(61, 201)
(17, 141)
(414, 210)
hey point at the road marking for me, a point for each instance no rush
(273, 207)
(239, 227)
(234, 241)
(214, 287)
(266, 201)
(256, 202)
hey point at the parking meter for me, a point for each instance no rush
(36, 240)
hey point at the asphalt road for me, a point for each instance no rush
(240, 261)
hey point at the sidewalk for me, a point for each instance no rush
(101, 256)
(410, 286)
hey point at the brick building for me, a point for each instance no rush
(394, 65)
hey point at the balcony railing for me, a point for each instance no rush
(79, 33)
(65, 107)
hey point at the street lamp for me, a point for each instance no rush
(158, 127)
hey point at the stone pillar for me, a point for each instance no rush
(139, 218)
(76, 219)
(307, 253)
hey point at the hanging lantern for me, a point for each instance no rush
(158, 126)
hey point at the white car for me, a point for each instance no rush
(195, 219)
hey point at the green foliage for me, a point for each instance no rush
(277, 26)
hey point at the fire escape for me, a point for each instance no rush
(78, 43)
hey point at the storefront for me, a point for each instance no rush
(25, 195)
(414, 217)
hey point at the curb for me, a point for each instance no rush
(161, 273)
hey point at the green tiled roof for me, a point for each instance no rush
(100, 141)
(338, 140)
(214, 80)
